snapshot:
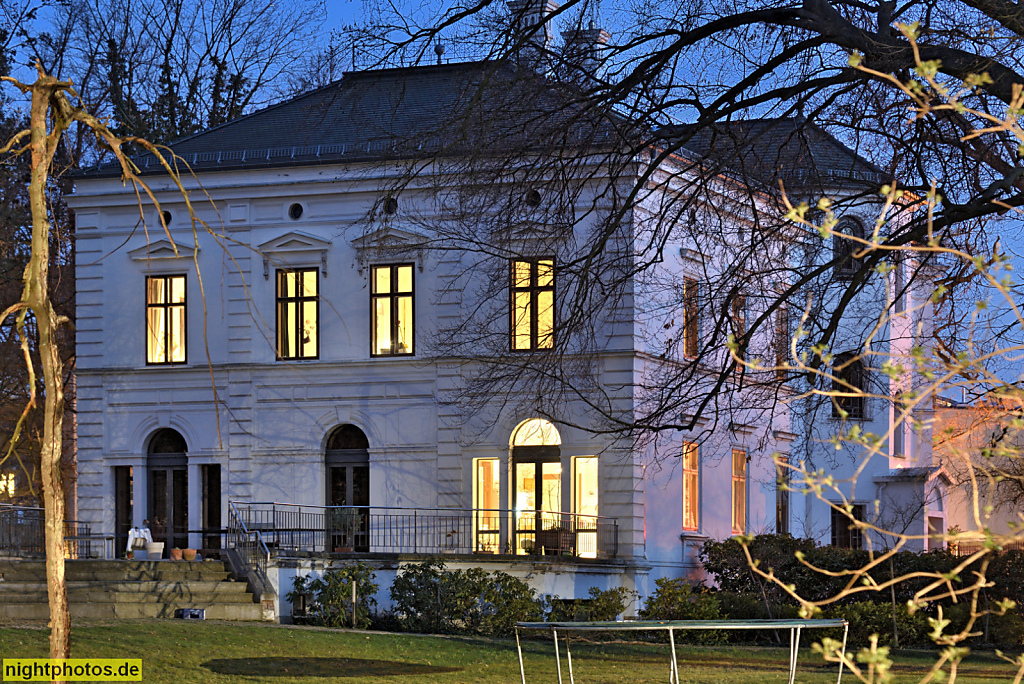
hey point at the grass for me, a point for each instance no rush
(182, 652)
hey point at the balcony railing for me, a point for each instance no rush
(387, 529)
(22, 535)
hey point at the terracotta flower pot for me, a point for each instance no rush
(176, 554)
(189, 554)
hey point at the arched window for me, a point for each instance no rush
(848, 379)
(347, 460)
(843, 249)
(535, 432)
(537, 490)
(167, 469)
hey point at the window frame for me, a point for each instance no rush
(843, 248)
(691, 318)
(850, 369)
(783, 338)
(850, 537)
(741, 480)
(694, 473)
(393, 297)
(738, 325)
(279, 299)
(782, 480)
(534, 290)
(166, 313)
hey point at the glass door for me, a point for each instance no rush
(538, 499)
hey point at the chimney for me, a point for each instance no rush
(584, 48)
(531, 28)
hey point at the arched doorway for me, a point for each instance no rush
(537, 489)
(347, 459)
(167, 466)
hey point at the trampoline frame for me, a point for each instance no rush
(794, 627)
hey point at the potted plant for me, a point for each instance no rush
(176, 554)
(129, 555)
(188, 554)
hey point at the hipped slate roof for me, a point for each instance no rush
(794, 150)
(491, 107)
(461, 108)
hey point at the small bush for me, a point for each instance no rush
(430, 598)
(998, 630)
(869, 617)
(677, 599)
(601, 606)
(328, 599)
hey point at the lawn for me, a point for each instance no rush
(181, 652)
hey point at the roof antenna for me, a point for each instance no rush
(439, 50)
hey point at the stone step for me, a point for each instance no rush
(98, 595)
(127, 586)
(214, 611)
(114, 575)
(127, 589)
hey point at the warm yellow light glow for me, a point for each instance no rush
(165, 319)
(536, 432)
(297, 314)
(533, 304)
(739, 491)
(691, 485)
(7, 485)
(486, 501)
(392, 310)
(585, 504)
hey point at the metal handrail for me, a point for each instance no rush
(251, 547)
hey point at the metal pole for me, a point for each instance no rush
(674, 672)
(568, 655)
(842, 656)
(558, 663)
(353, 603)
(519, 648)
(794, 648)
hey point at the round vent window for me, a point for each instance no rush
(533, 198)
(390, 206)
(295, 211)
(167, 218)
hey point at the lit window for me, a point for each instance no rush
(739, 491)
(486, 503)
(391, 301)
(533, 304)
(585, 505)
(691, 317)
(691, 487)
(298, 313)
(7, 485)
(782, 496)
(165, 319)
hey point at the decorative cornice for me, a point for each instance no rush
(163, 249)
(294, 243)
(388, 242)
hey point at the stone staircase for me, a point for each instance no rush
(127, 589)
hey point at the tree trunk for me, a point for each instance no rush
(37, 296)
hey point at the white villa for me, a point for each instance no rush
(309, 350)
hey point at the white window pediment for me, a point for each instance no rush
(163, 250)
(294, 248)
(388, 243)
